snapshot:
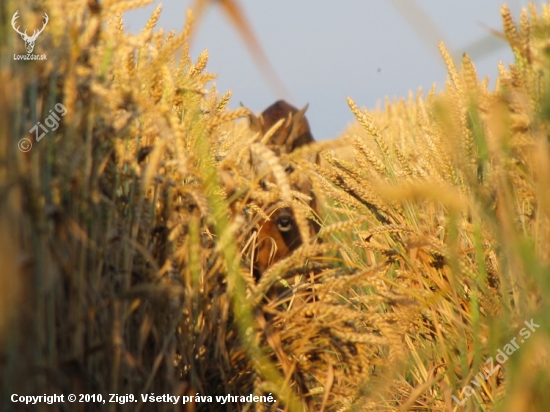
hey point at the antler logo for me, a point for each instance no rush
(29, 40)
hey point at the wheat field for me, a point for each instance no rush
(127, 233)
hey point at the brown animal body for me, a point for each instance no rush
(280, 233)
(280, 236)
(294, 132)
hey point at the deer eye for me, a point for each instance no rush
(284, 223)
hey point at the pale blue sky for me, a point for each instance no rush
(326, 50)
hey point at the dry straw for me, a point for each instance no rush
(129, 234)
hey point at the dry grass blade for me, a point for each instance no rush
(238, 19)
(129, 242)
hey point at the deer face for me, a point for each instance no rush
(277, 231)
(29, 40)
(279, 236)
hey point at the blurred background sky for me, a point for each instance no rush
(324, 51)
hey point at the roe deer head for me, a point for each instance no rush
(280, 236)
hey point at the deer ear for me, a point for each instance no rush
(299, 115)
(256, 122)
(288, 122)
(295, 123)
